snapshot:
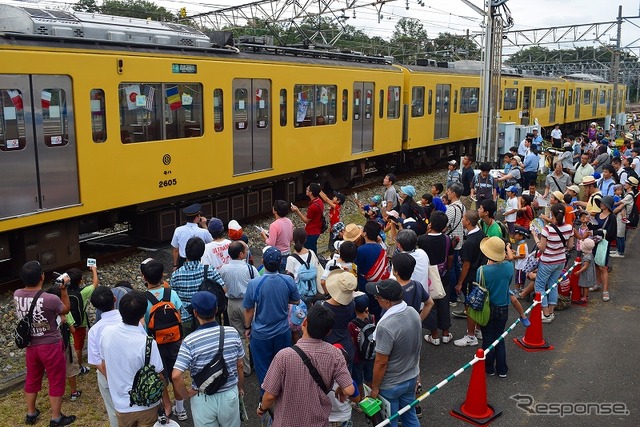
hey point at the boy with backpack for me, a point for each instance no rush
(342, 260)
(163, 322)
(361, 330)
(78, 296)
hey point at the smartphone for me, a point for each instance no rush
(292, 205)
(355, 196)
(91, 262)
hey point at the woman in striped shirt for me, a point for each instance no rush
(553, 242)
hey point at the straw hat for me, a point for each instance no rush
(351, 232)
(493, 248)
(558, 196)
(341, 285)
(588, 180)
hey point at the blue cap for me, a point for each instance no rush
(271, 258)
(192, 210)
(205, 303)
(215, 225)
(376, 199)
(409, 190)
(513, 189)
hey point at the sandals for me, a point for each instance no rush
(32, 419)
(605, 296)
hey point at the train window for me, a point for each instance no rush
(315, 105)
(561, 98)
(603, 97)
(469, 99)
(12, 131)
(155, 112)
(510, 99)
(430, 101)
(570, 97)
(98, 115)
(586, 97)
(345, 105)
(368, 103)
(455, 101)
(357, 104)
(283, 107)
(218, 112)
(54, 117)
(240, 109)
(262, 108)
(417, 101)
(381, 104)
(541, 98)
(393, 102)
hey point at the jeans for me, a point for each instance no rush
(454, 275)
(497, 359)
(400, 396)
(312, 243)
(620, 243)
(263, 352)
(363, 372)
(547, 275)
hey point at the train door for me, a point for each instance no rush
(609, 102)
(251, 125)
(552, 104)
(578, 101)
(38, 160)
(442, 118)
(526, 106)
(363, 104)
(594, 107)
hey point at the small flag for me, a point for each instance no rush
(173, 98)
(132, 92)
(46, 99)
(149, 91)
(16, 98)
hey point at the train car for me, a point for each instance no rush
(111, 118)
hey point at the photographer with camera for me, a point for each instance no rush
(45, 352)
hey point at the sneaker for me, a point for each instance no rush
(446, 339)
(459, 314)
(502, 375)
(32, 419)
(453, 304)
(625, 220)
(431, 340)
(75, 395)
(418, 411)
(525, 322)
(182, 415)
(466, 341)
(595, 288)
(84, 370)
(605, 296)
(162, 417)
(616, 255)
(549, 318)
(478, 334)
(62, 421)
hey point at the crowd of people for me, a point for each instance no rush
(335, 330)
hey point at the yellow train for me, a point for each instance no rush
(107, 118)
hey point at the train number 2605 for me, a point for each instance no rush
(167, 183)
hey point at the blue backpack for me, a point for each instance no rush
(307, 278)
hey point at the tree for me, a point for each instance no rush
(86, 6)
(453, 47)
(409, 40)
(131, 8)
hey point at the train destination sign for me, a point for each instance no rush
(184, 68)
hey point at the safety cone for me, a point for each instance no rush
(475, 409)
(574, 280)
(533, 340)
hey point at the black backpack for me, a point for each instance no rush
(147, 385)
(210, 285)
(631, 172)
(77, 306)
(215, 373)
(22, 333)
(633, 216)
(366, 343)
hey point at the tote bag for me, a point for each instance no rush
(436, 290)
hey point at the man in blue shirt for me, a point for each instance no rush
(268, 298)
(537, 139)
(531, 163)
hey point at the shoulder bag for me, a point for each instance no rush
(312, 369)
(478, 301)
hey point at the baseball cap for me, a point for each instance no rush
(271, 258)
(388, 289)
(205, 303)
(361, 301)
(513, 189)
(376, 199)
(215, 225)
(409, 190)
(235, 231)
(453, 162)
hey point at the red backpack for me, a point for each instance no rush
(165, 324)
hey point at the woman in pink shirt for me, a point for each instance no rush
(280, 233)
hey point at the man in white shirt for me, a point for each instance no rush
(123, 351)
(216, 253)
(583, 169)
(635, 163)
(556, 136)
(103, 300)
(195, 227)
(406, 241)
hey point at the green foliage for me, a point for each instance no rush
(86, 6)
(131, 8)
(538, 54)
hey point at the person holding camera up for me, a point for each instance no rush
(46, 351)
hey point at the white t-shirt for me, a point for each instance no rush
(216, 254)
(293, 266)
(331, 265)
(512, 203)
(521, 249)
(556, 134)
(636, 164)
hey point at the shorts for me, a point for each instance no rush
(73, 369)
(79, 336)
(47, 358)
(168, 354)
(521, 277)
(512, 228)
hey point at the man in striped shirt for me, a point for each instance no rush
(199, 349)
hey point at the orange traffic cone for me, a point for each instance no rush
(475, 409)
(533, 340)
(576, 293)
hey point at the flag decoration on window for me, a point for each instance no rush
(16, 98)
(45, 96)
(173, 98)
(132, 92)
(149, 91)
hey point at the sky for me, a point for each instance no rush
(456, 17)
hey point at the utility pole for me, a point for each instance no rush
(615, 70)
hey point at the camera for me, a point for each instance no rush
(60, 278)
